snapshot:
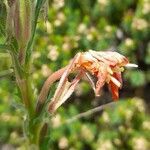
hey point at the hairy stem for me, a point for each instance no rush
(26, 93)
(24, 84)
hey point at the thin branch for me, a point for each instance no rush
(88, 113)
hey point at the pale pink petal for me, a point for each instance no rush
(55, 103)
(68, 89)
(98, 57)
(111, 58)
(115, 81)
(64, 79)
(118, 77)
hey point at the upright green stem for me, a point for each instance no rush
(26, 93)
(33, 125)
(24, 84)
(23, 26)
(34, 132)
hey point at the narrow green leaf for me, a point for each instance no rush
(6, 73)
(38, 7)
(4, 48)
(3, 16)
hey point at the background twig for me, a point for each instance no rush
(89, 112)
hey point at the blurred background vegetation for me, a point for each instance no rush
(78, 25)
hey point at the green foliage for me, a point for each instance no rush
(122, 126)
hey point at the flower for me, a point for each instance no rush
(139, 24)
(105, 66)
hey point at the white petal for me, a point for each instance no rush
(89, 57)
(131, 65)
(61, 100)
(70, 87)
(97, 56)
(115, 81)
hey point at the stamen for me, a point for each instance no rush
(109, 70)
(118, 69)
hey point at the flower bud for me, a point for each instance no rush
(19, 25)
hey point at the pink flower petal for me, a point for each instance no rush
(64, 79)
(68, 89)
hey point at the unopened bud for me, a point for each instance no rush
(19, 21)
